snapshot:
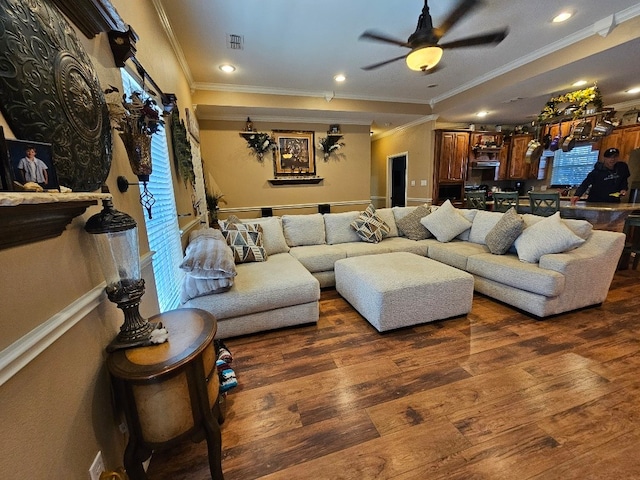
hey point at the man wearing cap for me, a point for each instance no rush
(608, 180)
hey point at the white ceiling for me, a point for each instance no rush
(295, 47)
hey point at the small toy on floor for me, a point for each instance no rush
(227, 380)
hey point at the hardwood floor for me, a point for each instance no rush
(492, 395)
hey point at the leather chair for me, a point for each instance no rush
(543, 203)
(503, 201)
(476, 199)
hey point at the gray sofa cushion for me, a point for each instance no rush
(279, 282)
(338, 227)
(509, 270)
(318, 258)
(455, 253)
(303, 229)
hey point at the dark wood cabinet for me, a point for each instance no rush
(518, 168)
(452, 155)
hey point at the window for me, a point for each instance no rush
(162, 229)
(571, 168)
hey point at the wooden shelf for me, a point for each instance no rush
(295, 180)
(31, 217)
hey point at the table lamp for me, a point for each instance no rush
(116, 239)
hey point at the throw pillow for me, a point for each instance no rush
(504, 232)
(386, 214)
(272, 235)
(482, 224)
(369, 226)
(550, 235)
(445, 223)
(410, 226)
(245, 241)
(208, 255)
(469, 214)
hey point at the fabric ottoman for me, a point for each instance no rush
(399, 289)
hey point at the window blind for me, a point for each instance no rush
(571, 168)
(163, 232)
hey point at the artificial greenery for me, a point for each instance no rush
(581, 99)
(330, 144)
(182, 149)
(259, 143)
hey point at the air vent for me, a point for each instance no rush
(235, 42)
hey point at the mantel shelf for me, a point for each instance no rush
(295, 180)
(31, 217)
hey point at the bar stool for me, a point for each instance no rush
(632, 246)
(477, 199)
(503, 201)
(544, 204)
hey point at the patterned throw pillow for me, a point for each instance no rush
(504, 233)
(245, 239)
(410, 224)
(369, 226)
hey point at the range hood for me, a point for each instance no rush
(485, 163)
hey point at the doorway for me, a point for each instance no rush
(397, 187)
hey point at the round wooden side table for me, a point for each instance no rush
(169, 392)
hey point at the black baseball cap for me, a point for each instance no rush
(611, 152)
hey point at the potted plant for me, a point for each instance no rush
(213, 200)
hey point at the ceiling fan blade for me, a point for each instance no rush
(381, 37)
(380, 64)
(484, 39)
(463, 8)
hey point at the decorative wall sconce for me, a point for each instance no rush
(259, 143)
(331, 143)
(116, 238)
(146, 197)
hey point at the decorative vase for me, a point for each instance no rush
(138, 146)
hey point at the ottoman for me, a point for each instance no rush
(399, 289)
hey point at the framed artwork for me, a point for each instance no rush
(32, 162)
(192, 125)
(295, 153)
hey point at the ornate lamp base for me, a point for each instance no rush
(136, 331)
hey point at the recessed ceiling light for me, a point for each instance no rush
(226, 68)
(483, 113)
(562, 17)
(634, 90)
(579, 83)
(340, 78)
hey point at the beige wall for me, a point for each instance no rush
(417, 143)
(243, 179)
(57, 412)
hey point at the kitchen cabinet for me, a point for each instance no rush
(624, 139)
(518, 169)
(452, 155)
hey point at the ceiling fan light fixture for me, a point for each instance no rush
(424, 58)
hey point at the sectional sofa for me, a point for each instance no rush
(541, 265)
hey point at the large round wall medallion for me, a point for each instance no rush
(49, 92)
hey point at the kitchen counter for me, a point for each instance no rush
(603, 216)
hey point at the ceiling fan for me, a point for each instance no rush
(426, 52)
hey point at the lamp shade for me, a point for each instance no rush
(424, 58)
(116, 240)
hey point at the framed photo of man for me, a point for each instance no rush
(32, 162)
(295, 154)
